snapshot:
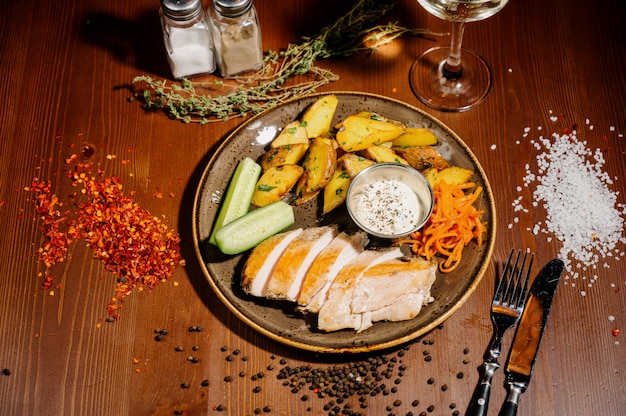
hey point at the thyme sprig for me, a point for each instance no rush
(286, 74)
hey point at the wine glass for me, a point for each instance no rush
(438, 77)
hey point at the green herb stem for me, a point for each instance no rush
(287, 74)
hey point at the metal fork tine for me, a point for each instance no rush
(500, 295)
(524, 286)
(516, 280)
(510, 277)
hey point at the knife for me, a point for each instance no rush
(523, 353)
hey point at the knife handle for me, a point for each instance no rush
(509, 407)
(480, 401)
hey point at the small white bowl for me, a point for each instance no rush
(390, 200)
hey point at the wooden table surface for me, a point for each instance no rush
(66, 67)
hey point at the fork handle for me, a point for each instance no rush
(480, 401)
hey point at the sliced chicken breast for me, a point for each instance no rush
(394, 290)
(288, 275)
(336, 311)
(262, 262)
(325, 268)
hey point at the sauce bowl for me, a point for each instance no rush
(390, 200)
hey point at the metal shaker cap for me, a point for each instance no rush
(181, 10)
(232, 8)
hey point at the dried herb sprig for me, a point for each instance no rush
(287, 74)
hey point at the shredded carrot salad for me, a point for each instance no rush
(453, 224)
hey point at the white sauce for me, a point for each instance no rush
(388, 207)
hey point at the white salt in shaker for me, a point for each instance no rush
(187, 37)
(237, 37)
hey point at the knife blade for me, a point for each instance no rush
(523, 352)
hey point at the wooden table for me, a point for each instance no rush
(66, 67)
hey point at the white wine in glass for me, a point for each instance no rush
(453, 78)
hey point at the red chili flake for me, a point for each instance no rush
(158, 195)
(615, 332)
(1, 203)
(47, 282)
(71, 160)
(131, 243)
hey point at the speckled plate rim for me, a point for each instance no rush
(200, 232)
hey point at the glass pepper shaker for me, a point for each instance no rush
(237, 37)
(187, 37)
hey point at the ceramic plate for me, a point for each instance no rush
(280, 320)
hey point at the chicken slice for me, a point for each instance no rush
(326, 267)
(336, 312)
(262, 262)
(394, 290)
(288, 275)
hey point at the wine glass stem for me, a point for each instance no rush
(453, 68)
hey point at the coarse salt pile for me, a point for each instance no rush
(582, 212)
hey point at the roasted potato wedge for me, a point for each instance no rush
(319, 163)
(414, 137)
(336, 190)
(453, 175)
(379, 117)
(358, 133)
(275, 183)
(431, 176)
(289, 154)
(318, 118)
(354, 163)
(423, 157)
(302, 195)
(293, 133)
(381, 154)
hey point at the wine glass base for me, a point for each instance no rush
(447, 94)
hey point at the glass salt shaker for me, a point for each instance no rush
(187, 37)
(237, 37)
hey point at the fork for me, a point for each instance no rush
(506, 308)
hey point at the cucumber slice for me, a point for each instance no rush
(236, 202)
(248, 231)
